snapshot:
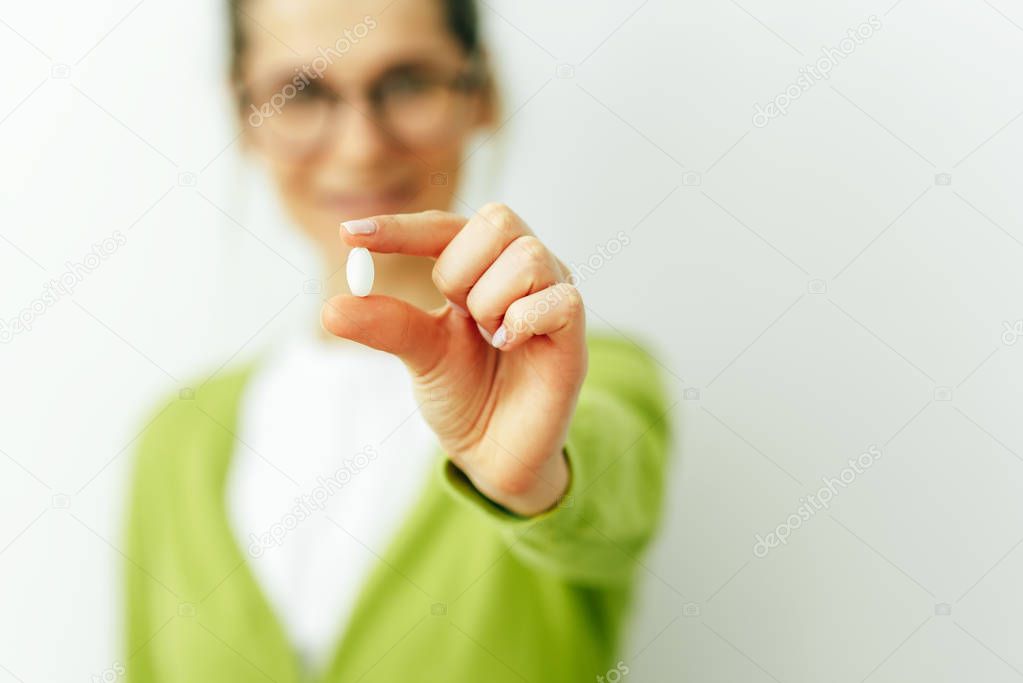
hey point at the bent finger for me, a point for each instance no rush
(524, 268)
(475, 249)
(557, 312)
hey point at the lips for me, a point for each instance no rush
(369, 202)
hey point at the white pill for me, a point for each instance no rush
(360, 271)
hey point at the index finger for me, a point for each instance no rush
(417, 234)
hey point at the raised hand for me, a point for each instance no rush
(497, 372)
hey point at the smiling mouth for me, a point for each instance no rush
(354, 204)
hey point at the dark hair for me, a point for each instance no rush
(461, 16)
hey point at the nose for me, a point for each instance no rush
(355, 138)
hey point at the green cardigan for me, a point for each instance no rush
(466, 591)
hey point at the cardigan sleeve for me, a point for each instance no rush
(617, 447)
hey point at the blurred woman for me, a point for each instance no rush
(446, 480)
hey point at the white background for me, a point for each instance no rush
(918, 278)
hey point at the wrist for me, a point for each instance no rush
(535, 494)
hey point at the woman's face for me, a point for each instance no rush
(395, 143)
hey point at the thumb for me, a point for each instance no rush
(387, 324)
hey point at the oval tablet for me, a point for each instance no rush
(360, 271)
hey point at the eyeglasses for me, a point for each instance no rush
(416, 106)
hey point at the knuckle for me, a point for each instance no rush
(501, 217)
(571, 299)
(534, 250)
(491, 209)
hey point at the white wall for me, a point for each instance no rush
(917, 278)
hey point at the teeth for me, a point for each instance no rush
(360, 271)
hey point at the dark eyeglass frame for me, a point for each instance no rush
(472, 78)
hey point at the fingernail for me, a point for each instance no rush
(363, 226)
(500, 337)
(458, 309)
(486, 335)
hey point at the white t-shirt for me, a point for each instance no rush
(331, 454)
